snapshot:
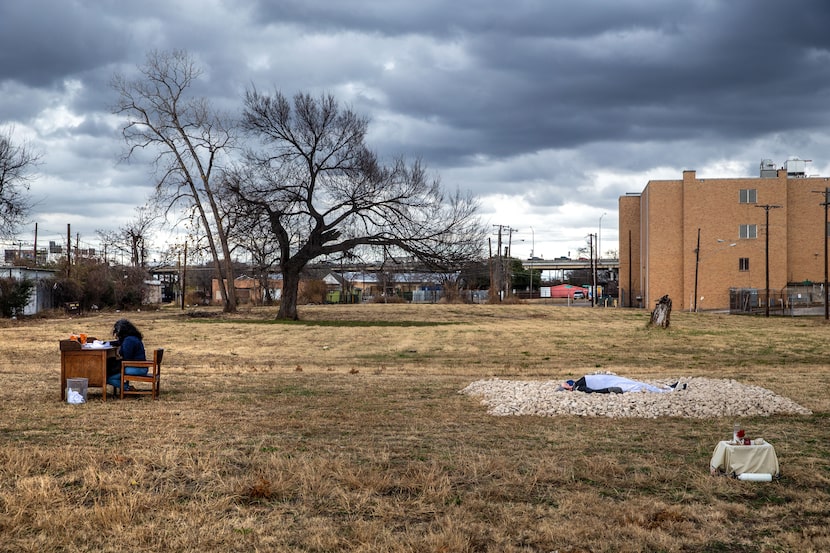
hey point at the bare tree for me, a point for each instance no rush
(255, 237)
(16, 164)
(189, 139)
(131, 239)
(323, 192)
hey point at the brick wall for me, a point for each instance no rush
(630, 278)
(666, 218)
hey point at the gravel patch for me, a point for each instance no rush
(702, 398)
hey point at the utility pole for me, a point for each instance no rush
(826, 193)
(826, 304)
(183, 286)
(630, 283)
(766, 208)
(68, 250)
(697, 266)
(508, 279)
(499, 265)
(492, 292)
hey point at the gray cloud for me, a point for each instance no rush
(548, 110)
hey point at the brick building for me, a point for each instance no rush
(706, 239)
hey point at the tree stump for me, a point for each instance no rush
(661, 316)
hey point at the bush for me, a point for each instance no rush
(14, 296)
(66, 290)
(312, 291)
(96, 285)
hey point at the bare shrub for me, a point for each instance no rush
(312, 292)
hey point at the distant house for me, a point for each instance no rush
(339, 289)
(345, 287)
(411, 286)
(249, 290)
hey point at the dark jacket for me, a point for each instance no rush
(132, 349)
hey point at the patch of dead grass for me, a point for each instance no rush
(370, 448)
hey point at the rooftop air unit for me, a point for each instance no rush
(796, 168)
(768, 169)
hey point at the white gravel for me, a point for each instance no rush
(702, 398)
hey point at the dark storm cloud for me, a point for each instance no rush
(526, 18)
(750, 69)
(43, 41)
(541, 104)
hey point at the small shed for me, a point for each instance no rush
(41, 297)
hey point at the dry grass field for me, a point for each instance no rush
(346, 432)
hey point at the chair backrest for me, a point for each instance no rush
(157, 356)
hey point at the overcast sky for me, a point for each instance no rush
(547, 110)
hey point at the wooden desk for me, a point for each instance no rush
(89, 363)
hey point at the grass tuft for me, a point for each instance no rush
(346, 431)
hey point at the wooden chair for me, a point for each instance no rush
(153, 376)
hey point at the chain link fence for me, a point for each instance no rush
(799, 299)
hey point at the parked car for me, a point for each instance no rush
(579, 295)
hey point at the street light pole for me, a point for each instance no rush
(766, 208)
(593, 271)
(532, 248)
(599, 237)
(533, 242)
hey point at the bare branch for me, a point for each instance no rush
(322, 192)
(189, 140)
(16, 164)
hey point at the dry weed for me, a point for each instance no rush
(314, 436)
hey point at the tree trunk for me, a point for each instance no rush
(230, 291)
(661, 316)
(230, 301)
(290, 292)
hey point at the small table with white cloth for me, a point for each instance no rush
(735, 459)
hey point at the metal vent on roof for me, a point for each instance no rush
(768, 169)
(796, 167)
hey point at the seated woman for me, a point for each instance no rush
(613, 384)
(130, 348)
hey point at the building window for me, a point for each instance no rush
(743, 264)
(748, 196)
(748, 231)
